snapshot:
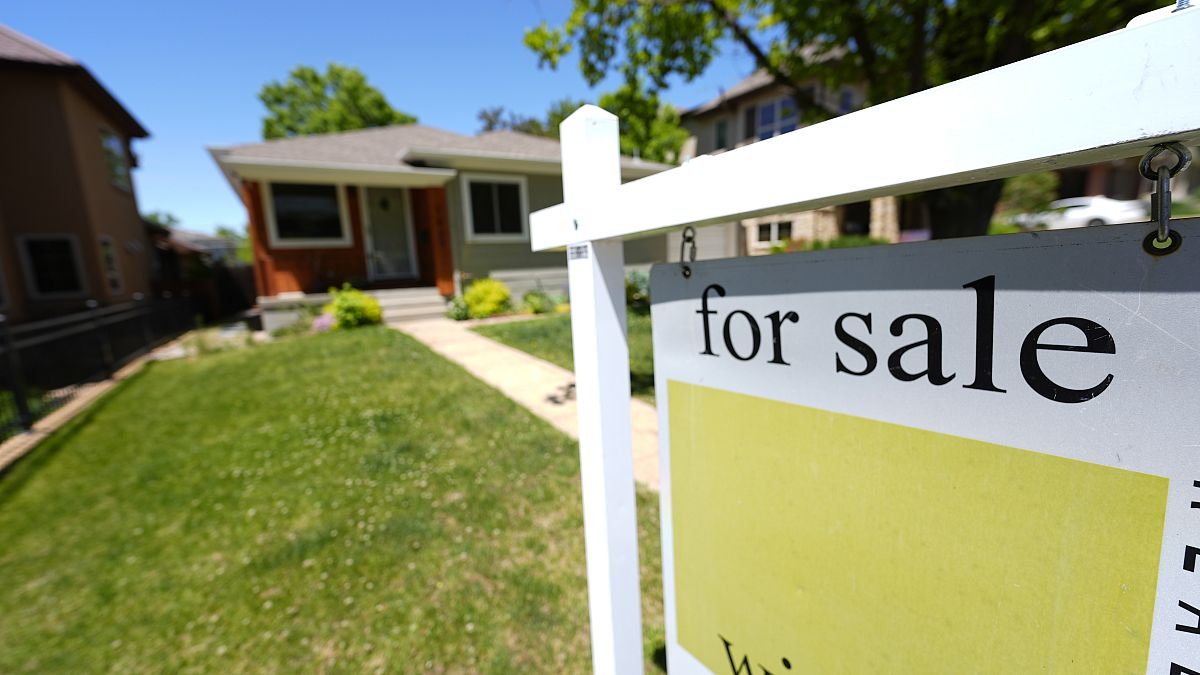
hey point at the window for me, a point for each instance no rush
(777, 117)
(108, 262)
(773, 234)
(749, 122)
(722, 134)
(307, 216)
(116, 159)
(52, 265)
(846, 101)
(495, 207)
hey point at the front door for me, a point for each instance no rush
(390, 241)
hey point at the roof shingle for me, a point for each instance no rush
(17, 47)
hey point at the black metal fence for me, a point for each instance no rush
(42, 363)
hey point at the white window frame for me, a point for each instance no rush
(127, 186)
(775, 126)
(27, 266)
(116, 271)
(520, 181)
(273, 238)
(775, 240)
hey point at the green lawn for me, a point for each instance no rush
(347, 502)
(550, 339)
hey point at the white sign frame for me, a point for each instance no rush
(1111, 97)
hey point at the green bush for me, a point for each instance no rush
(637, 293)
(487, 297)
(538, 302)
(847, 241)
(351, 308)
(458, 309)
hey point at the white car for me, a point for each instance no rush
(1081, 211)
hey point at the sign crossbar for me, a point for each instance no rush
(1110, 97)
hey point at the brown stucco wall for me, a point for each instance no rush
(113, 211)
(53, 180)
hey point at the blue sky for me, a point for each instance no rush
(191, 71)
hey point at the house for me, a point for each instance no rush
(758, 108)
(70, 231)
(404, 206)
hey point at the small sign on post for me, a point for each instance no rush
(973, 455)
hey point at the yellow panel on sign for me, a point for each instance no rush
(846, 545)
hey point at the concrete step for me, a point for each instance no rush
(408, 297)
(395, 314)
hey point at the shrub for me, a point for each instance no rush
(847, 241)
(458, 309)
(487, 297)
(538, 302)
(637, 293)
(351, 308)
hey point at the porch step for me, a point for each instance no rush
(408, 304)
(408, 297)
(412, 313)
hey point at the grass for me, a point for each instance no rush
(550, 339)
(347, 502)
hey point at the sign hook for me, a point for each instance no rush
(1164, 240)
(688, 239)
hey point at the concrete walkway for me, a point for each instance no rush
(542, 387)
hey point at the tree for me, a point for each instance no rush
(1030, 192)
(650, 129)
(161, 218)
(244, 252)
(310, 102)
(893, 48)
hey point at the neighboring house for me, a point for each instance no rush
(755, 109)
(203, 269)
(1120, 179)
(219, 249)
(69, 224)
(404, 206)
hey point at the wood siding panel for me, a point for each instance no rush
(308, 270)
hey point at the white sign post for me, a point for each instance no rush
(1111, 97)
(596, 273)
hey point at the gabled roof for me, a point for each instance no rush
(424, 154)
(761, 79)
(17, 47)
(19, 50)
(757, 80)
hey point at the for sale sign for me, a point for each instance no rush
(969, 456)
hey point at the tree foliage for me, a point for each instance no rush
(311, 102)
(244, 252)
(1029, 193)
(650, 129)
(894, 48)
(499, 118)
(162, 218)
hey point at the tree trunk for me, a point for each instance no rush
(964, 210)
